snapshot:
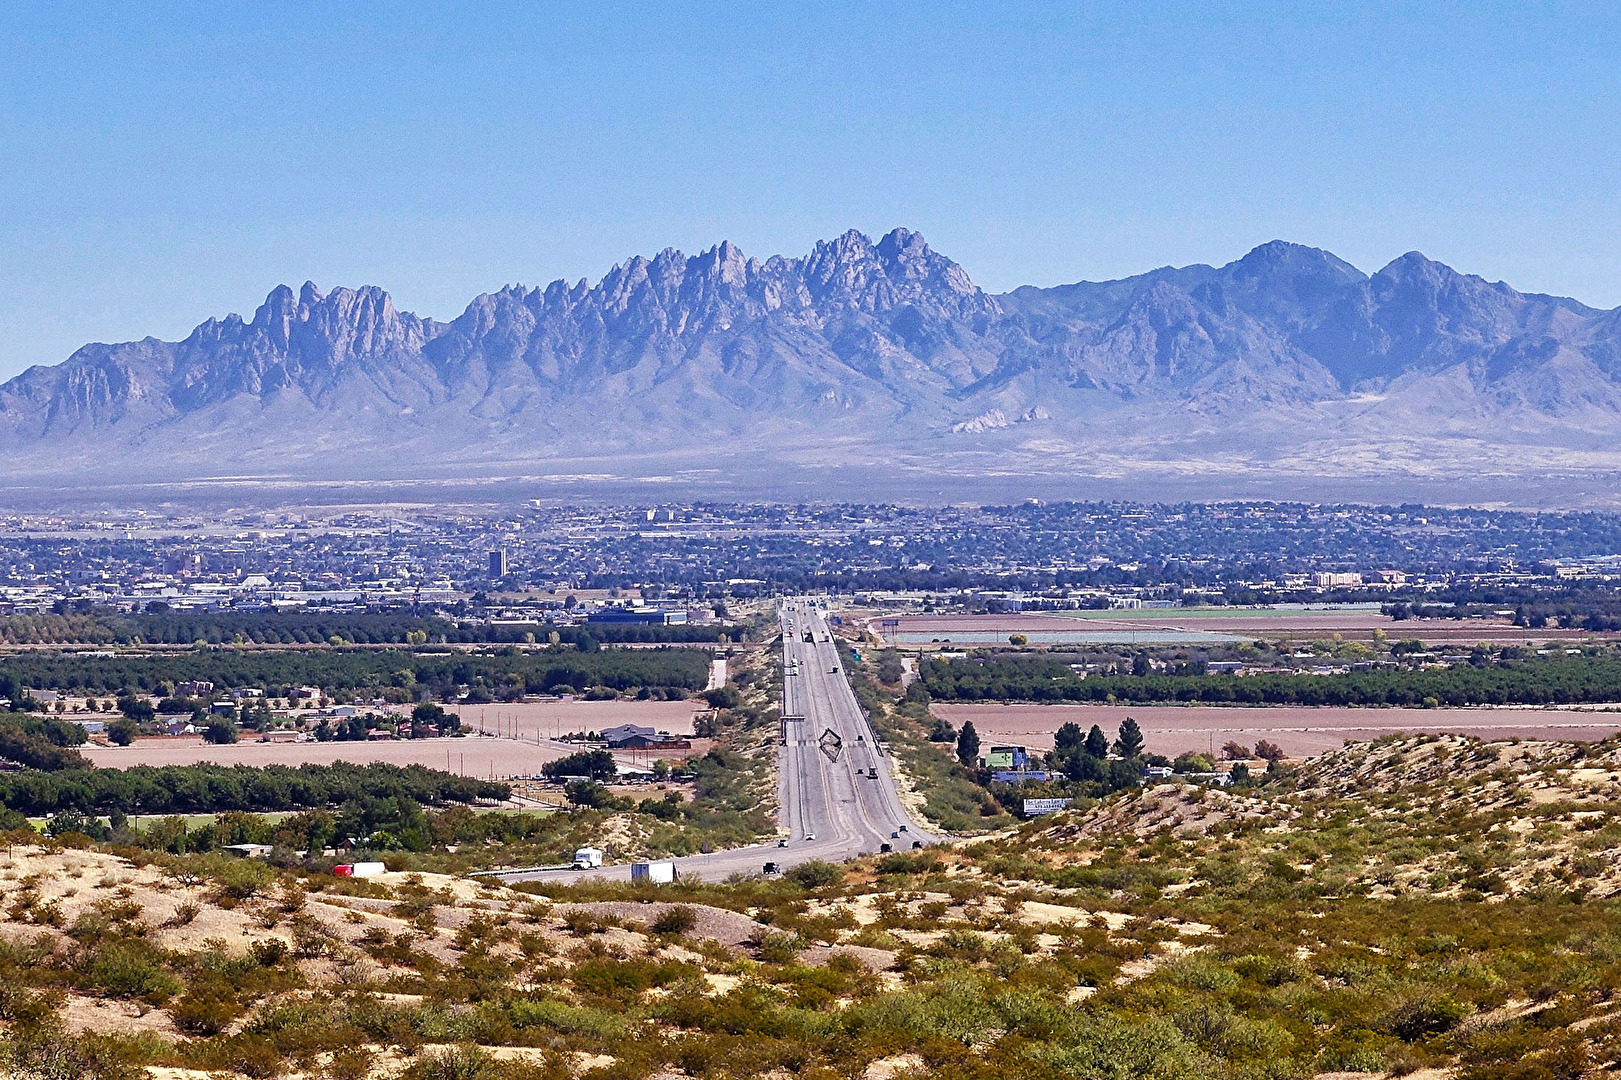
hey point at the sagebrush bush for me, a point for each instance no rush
(132, 969)
(676, 920)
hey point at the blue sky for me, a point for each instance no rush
(160, 163)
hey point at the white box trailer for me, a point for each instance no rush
(657, 873)
(359, 869)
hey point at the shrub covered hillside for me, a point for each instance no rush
(1427, 906)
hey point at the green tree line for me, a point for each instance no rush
(320, 628)
(352, 669)
(1550, 681)
(215, 789)
(36, 742)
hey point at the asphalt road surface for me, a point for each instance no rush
(835, 789)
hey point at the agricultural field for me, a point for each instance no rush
(523, 745)
(1300, 732)
(1214, 625)
(485, 756)
(550, 719)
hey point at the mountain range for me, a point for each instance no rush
(864, 367)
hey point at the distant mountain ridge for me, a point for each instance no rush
(859, 354)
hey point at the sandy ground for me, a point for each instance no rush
(1270, 624)
(548, 719)
(473, 756)
(1175, 729)
(482, 755)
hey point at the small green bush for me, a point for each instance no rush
(815, 874)
(675, 920)
(132, 969)
(779, 948)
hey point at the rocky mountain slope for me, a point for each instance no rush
(859, 358)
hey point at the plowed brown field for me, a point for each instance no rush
(1175, 729)
(523, 749)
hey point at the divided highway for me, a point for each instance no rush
(834, 781)
(836, 792)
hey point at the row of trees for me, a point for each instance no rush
(321, 628)
(36, 742)
(1088, 763)
(1084, 757)
(1078, 756)
(211, 789)
(519, 671)
(1561, 680)
(598, 765)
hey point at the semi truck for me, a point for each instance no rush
(359, 869)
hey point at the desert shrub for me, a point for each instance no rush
(534, 945)
(207, 1007)
(458, 1063)
(1270, 970)
(581, 923)
(1420, 1017)
(773, 948)
(675, 920)
(310, 938)
(42, 1050)
(1356, 1051)
(239, 879)
(353, 1063)
(1219, 1030)
(184, 914)
(618, 979)
(132, 969)
(903, 862)
(565, 1019)
(815, 874)
(1201, 973)
(247, 1054)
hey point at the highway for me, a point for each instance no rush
(836, 792)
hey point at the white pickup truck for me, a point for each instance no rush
(588, 858)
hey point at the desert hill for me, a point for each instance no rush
(1433, 906)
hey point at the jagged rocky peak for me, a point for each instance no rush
(900, 269)
(869, 341)
(1417, 266)
(847, 272)
(307, 328)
